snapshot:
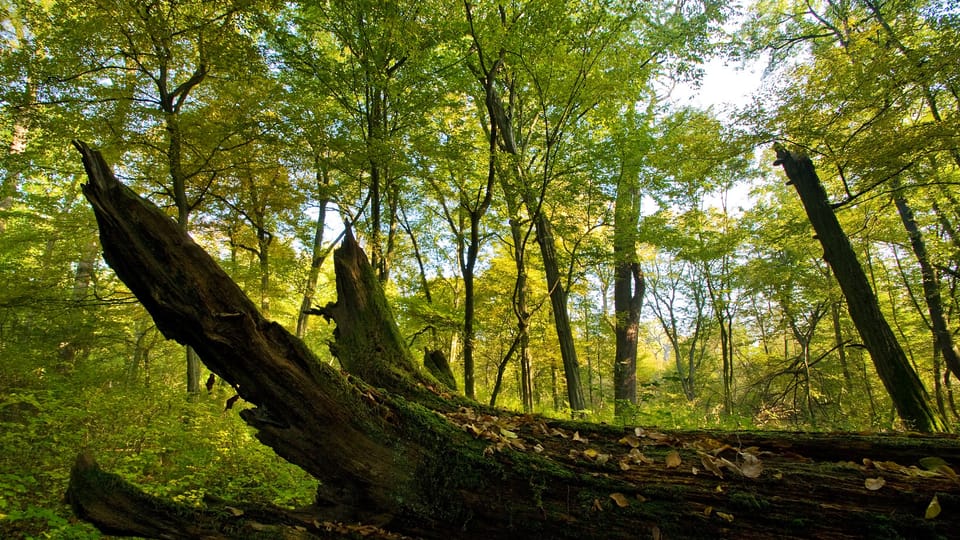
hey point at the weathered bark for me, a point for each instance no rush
(193, 301)
(902, 383)
(117, 508)
(368, 342)
(468, 473)
(628, 299)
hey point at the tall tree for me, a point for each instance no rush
(629, 283)
(879, 71)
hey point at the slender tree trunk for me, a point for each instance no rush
(384, 203)
(522, 314)
(841, 345)
(501, 368)
(468, 255)
(526, 363)
(374, 140)
(804, 341)
(684, 363)
(902, 383)
(179, 179)
(264, 239)
(317, 253)
(950, 401)
(943, 338)
(726, 345)
(468, 334)
(10, 184)
(545, 239)
(724, 323)
(521, 309)
(558, 301)
(938, 382)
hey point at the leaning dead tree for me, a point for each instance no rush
(393, 450)
(899, 378)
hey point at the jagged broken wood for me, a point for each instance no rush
(403, 455)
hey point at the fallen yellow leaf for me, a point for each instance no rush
(933, 509)
(620, 499)
(938, 465)
(709, 463)
(874, 484)
(726, 516)
(638, 457)
(630, 440)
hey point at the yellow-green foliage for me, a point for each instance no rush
(153, 436)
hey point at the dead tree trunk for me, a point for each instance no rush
(902, 383)
(432, 468)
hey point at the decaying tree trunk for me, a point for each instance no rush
(401, 455)
(902, 383)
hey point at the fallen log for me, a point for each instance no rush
(393, 450)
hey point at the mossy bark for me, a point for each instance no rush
(453, 469)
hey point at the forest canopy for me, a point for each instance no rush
(542, 205)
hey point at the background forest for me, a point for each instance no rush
(531, 182)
